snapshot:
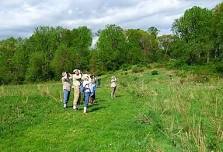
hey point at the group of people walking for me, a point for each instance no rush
(82, 84)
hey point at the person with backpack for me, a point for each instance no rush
(66, 81)
(87, 92)
(93, 89)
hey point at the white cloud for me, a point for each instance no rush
(20, 17)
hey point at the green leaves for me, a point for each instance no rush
(111, 45)
(37, 70)
(194, 28)
(197, 39)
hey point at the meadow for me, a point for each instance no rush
(155, 110)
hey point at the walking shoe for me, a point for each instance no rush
(74, 107)
(85, 109)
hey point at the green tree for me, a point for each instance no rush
(7, 51)
(20, 62)
(112, 47)
(195, 29)
(64, 60)
(136, 51)
(81, 40)
(153, 30)
(218, 31)
(38, 67)
(166, 43)
(95, 65)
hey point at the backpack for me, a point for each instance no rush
(81, 87)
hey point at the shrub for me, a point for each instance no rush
(219, 68)
(123, 83)
(176, 63)
(125, 67)
(200, 79)
(154, 72)
(182, 74)
(136, 69)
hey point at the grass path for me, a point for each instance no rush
(41, 124)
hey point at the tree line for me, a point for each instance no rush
(197, 39)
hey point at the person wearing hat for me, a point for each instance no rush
(76, 75)
(87, 91)
(66, 81)
(93, 89)
(113, 86)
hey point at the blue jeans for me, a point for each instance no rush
(66, 95)
(86, 98)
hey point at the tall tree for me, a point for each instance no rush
(111, 44)
(38, 67)
(166, 43)
(8, 48)
(195, 29)
(218, 31)
(64, 60)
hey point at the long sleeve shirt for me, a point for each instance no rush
(76, 80)
(66, 81)
(87, 86)
(113, 83)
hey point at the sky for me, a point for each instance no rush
(18, 18)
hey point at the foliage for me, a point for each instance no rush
(111, 45)
(63, 60)
(37, 68)
(219, 68)
(154, 72)
(197, 39)
(194, 28)
(137, 69)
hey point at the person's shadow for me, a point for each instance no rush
(95, 107)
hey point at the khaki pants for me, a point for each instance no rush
(77, 97)
(113, 92)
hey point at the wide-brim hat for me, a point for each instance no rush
(63, 74)
(75, 70)
(85, 77)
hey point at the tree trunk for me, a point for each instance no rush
(166, 51)
(215, 53)
(208, 57)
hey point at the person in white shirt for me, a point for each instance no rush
(113, 86)
(76, 75)
(87, 92)
(66, 81)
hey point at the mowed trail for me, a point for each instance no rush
(39, 123)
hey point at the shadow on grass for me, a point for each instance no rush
(95, 108)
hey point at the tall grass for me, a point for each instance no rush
(170, 111)
(189, 113)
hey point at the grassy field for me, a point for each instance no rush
(171, 111)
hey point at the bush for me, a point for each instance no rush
(154, 72)
(200, 79)
(219, 68)
(125, 67)
(136, 69)
(176, 63)
(182, 73)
